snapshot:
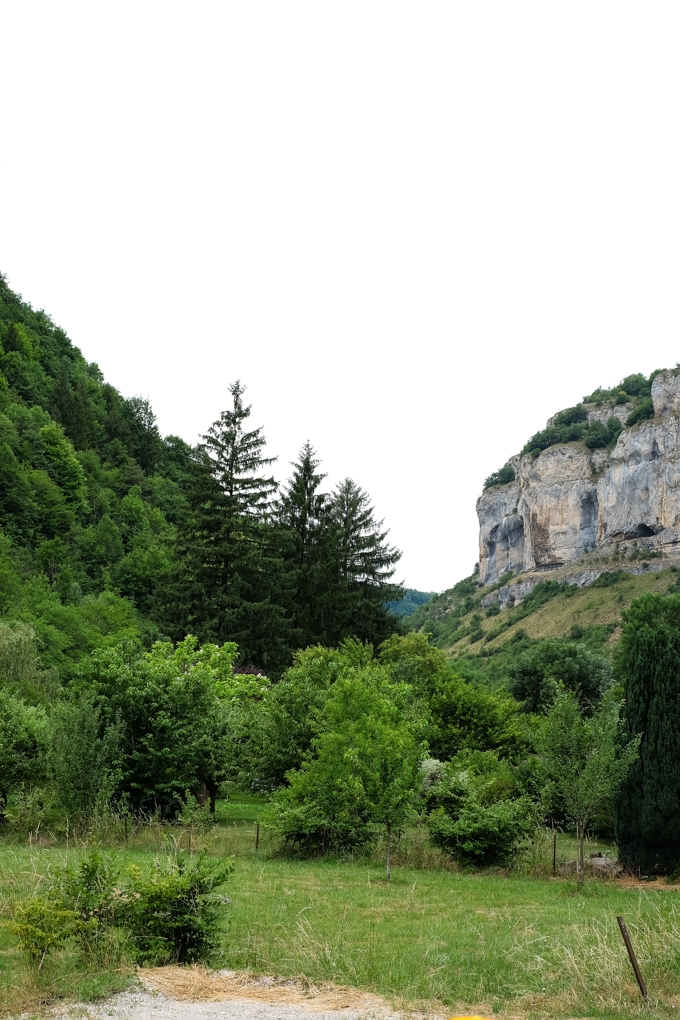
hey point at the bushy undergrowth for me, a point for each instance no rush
(170, 914)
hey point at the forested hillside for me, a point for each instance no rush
(112, 534)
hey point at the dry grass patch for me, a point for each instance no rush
(203, 985)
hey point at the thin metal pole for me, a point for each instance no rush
(554, 852)
(633, 960)
(257, 834)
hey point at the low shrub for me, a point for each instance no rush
(42, 925)
(483, 834)
(174, 915)
(481, 813)
(642, 412)
(609, 578)
(502, 477)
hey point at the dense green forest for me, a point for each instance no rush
(111, 533)
(411, 601)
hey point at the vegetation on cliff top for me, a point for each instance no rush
(572, 424)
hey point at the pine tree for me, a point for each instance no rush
(647, 806)
(231, 581)
(303, 512)
(366, 565)
(236, 457)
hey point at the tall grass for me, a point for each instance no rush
(511, 941)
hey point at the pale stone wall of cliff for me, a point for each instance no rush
(569, 499)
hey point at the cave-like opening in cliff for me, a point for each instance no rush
(643, 531)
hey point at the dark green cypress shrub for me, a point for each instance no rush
(647, 805)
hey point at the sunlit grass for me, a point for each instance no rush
(510, 942)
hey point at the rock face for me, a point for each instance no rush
(570, 499)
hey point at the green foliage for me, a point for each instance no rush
(468, 717)
(282, 723)
(363, 766)
(411, 601)
(41, 926)
(171, 707)
(480, 815)
(24, 743)
(73, 453)
(583, 762)
(642, 412)
(572, 416)
(599, 434)
(635, 386)
(537, 677)
(647, 824)
(594, 435)
(608, 578)
(502, 477)
(90, 892)
(175, 914)
(572, 425)
(85, 756)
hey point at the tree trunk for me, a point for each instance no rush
(201, 794)
(212, 790)
(388, 826)
(580, 864)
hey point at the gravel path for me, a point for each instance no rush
(174, 993)
(146, 1005)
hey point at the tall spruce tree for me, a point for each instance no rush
(231, 582)
(647, 806)
(236, 458)
(366, 566)
(313, 552)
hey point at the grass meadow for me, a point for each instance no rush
(517, 944)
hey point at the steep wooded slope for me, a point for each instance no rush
(89, 493)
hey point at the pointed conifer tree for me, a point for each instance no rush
(366, 567)
(237, 459)
(303, 512)
(231, 582)
(647, 807)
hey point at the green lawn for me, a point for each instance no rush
(510, 944)
(240, 808)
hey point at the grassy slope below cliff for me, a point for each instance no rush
(484, 645)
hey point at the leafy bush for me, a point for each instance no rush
(84, 754)
(643, 411)
(636, 385)
(609, 578)
(42, 925)
(600, 435)
(502, 477)
(484, 835)
(362, 767)
(538, 675)
(24, 743)
(89, 891)
(572, 415)
(174, 915)
(480, 816)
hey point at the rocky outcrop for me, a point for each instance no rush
(570, 499)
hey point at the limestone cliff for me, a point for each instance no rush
(568, 499)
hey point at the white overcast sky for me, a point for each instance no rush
(414, 230)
